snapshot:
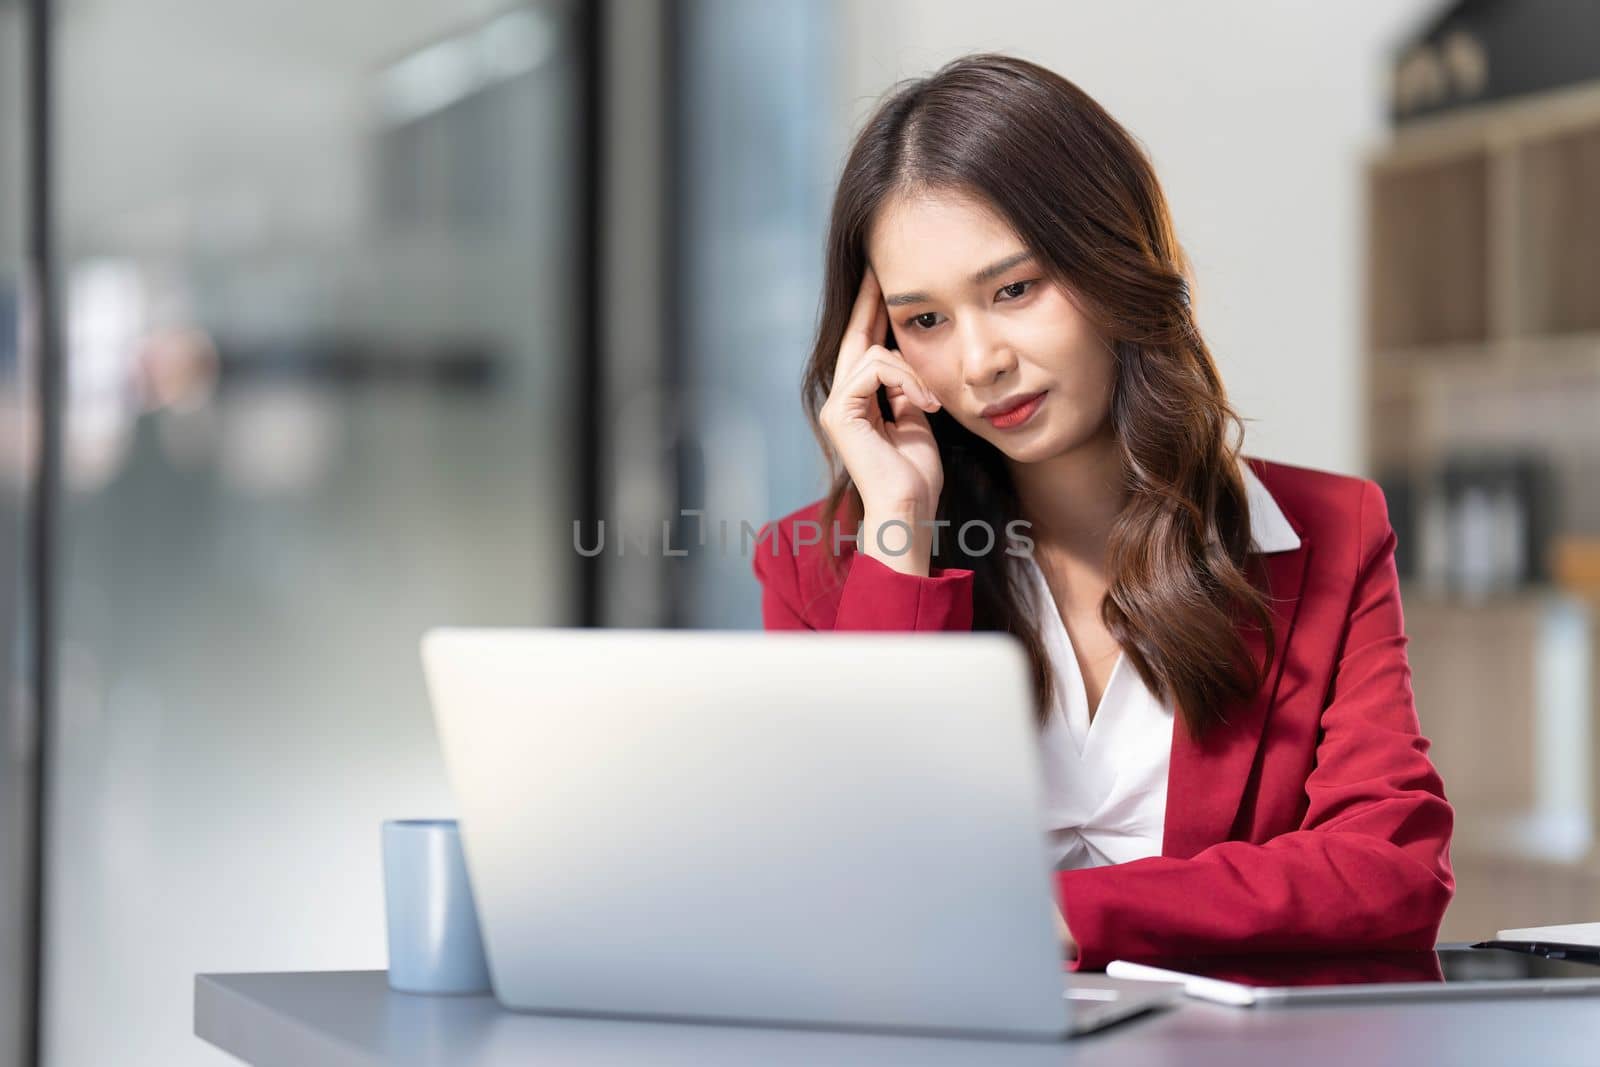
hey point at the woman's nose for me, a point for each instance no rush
(986, 358)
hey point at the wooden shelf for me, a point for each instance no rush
(1558, 219)
(1552, 349)
(1484, 238)
(1483, 335)
(1429, 279)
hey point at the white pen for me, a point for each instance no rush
(1194, 985)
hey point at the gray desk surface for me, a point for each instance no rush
(350, 1018)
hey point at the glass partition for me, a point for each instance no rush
(319, 268)
(18, 434)
(756, 166)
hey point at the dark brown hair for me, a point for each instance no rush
(1081, 195)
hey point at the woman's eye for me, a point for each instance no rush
(1015, 290)
(925, 321)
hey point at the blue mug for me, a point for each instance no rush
(434, 942)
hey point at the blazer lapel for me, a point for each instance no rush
(1206, 779)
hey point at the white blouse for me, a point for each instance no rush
(1106, 779)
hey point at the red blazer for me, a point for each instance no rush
(1313, 820)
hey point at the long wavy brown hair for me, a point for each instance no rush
(1081, 195)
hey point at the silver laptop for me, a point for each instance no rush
(824, 829)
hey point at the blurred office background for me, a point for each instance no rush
(321, 324)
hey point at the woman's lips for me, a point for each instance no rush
(1010, 420)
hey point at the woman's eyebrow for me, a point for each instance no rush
(993, 270)
(999, 267)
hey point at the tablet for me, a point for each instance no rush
(1450, 971)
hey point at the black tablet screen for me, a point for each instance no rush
(1448, 963)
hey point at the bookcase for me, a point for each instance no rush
(1483, 339)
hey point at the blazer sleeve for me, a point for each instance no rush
(873, 596)
(1369, 865)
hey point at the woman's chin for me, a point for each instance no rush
(1034, 448)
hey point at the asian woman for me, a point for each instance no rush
(1029, 435)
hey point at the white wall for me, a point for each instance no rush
(1257, 116)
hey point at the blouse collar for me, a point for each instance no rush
(1269, 529)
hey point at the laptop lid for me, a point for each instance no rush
(805, 828)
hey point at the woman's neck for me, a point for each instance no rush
(1072, 499)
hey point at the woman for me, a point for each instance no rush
(1232, 755)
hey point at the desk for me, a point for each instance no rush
(352, 1019)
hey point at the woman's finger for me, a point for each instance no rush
(868, 325)
(863, 313)
(878, 324)
(905, 409)
(876, 372)
(894, 358)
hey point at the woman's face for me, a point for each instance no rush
(979, 320)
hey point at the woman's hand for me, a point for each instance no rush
(895, 465)
(1069, 947)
